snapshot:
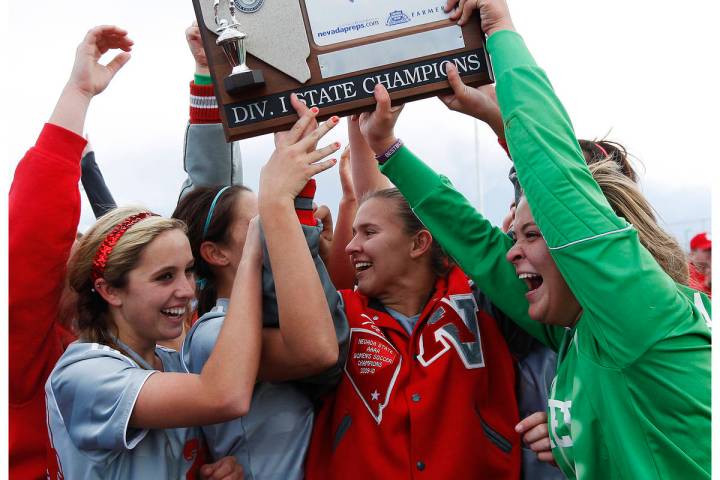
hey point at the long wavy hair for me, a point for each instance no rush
(628, 202)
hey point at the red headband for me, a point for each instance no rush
(106, 247)
(601, 149)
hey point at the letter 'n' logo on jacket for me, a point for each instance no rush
(454, 323)
(372, 366)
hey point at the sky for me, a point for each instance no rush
(637, 72)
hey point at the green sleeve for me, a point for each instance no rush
(629, 303)
(202, 79)
(470, 239)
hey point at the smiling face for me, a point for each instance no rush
(549, 296)
(380, 249)
(155, 300)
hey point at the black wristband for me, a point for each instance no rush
(385, 156)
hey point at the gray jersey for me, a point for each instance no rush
(90, 396)
(270, 442)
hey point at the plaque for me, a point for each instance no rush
(331, 53)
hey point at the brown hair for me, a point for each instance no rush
(628, 202)
(91, 320)
(597, 151)
(439, 260)
(193, 209)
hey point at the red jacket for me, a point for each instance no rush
(438, 404)
(44, 211)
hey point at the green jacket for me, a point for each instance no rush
(631, 398)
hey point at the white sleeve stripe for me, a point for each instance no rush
(203, 102)
(629, 227)
(145, 431)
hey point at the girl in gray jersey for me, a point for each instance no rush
(271, 440)
(115, 409)
(116, 406)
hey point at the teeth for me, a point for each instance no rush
(174, 311)
(523, 276)
(360, 265)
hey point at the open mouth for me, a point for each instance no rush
(532, 280)
(362, 266)
(174, 312)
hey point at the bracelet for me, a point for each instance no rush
(385, 156)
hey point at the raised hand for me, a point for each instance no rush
(378, 127)
(534, 429)
(88, 76)
(295, 160)
(301, 108)
(494, 14)
(194, 41)
(480, 102)
(226, 468)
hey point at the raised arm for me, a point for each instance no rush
(597, 252)
(97, 192)
(224, 388)
(342, 271)
(306, 341)
(43, 221)
(208, 159)
(366, 177)
(470, 239)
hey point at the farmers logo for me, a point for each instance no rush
(396, 17)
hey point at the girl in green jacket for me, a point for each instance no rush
(631, 398)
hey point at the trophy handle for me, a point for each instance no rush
(231, 7)
(220, 22)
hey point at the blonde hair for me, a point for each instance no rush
(91, 320)
(628, 202)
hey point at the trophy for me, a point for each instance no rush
(232, 41)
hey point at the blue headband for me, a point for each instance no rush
(212, 210)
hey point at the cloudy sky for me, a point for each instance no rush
(638, 72)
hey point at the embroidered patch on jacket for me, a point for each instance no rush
(372, 366)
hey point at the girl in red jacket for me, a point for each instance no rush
(427, 386)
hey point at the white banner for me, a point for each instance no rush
(335, 21)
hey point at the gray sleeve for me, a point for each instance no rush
(208, 159)
(199, 343)
(96, 397)
(98, 193)
(334, 299)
